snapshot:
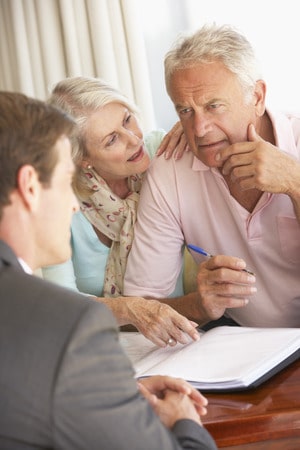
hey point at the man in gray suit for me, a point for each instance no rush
(65, 382)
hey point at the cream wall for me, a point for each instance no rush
(272, 28)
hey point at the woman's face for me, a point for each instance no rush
(114, 143)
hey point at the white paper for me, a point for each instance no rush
(224, 357)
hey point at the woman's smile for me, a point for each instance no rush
(137, 156)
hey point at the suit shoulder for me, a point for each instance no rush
(45, 297)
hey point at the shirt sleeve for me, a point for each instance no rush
(156, 256)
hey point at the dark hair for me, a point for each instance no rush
(29, 130)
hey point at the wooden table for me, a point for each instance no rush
(265, 418)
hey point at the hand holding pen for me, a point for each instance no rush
(205, 253)
(223, 283)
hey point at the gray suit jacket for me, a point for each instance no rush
(65, 382)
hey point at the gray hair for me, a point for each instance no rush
(80, 97)
(211, 43)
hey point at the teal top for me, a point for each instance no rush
(84, 272)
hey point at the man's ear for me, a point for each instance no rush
(29, 186)
(260, 97)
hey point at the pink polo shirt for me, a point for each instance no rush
(187, 202)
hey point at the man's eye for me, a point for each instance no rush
(185, 111)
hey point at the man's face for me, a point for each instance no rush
(211, 106)
(56, 207)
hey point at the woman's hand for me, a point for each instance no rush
(174, 143)
(159, 322)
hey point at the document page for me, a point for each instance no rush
(223, 357)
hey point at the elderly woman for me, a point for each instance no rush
(111, 156)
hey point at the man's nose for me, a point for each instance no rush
(202, 124)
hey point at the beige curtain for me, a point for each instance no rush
(43, 41)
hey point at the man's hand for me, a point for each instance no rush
(222, 283)
(173, 399)
(257, 164)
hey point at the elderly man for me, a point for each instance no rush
(237, 192)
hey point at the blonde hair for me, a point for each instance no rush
(80, 97)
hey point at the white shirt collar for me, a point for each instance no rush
(25, 266)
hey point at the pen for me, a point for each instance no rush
(205, 253)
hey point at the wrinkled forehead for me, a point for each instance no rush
(205, 81)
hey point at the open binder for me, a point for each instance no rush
(225, 358)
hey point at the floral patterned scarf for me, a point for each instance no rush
(115, 218)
